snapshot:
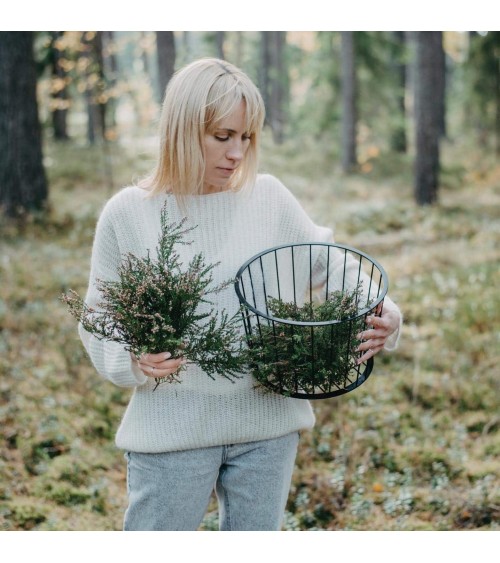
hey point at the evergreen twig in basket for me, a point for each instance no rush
(302, 358)
(153, 307)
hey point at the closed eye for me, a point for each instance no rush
(223, 138)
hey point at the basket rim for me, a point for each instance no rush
(361, 313)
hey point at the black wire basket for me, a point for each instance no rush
(302, 307)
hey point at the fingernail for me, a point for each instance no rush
(168, 355)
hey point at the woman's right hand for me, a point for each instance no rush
(158, 365)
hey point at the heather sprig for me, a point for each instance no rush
(154, 306)
(308, 359)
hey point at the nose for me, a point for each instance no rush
(235, 151)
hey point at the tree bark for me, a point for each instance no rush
(187, 45)
(59, 88)
(265, 69)
(165, 45)
(23, 185)
(144, 53)
(110, 75)
(278, 82)
(349, 101)
(427, 116)
(398, 139)
(95, 86)
(441, 83)
(497, 106)
(239, 48)
(219, 40)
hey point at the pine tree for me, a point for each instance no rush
(428, 119)
(23, 185)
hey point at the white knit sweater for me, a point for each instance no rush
(232, 227)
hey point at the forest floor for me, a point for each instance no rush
(415, 448)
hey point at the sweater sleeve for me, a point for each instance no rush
(344, 271)
(298, 227)
(110, 359)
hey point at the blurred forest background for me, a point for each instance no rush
(392, 138)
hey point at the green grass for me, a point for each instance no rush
(414, 448)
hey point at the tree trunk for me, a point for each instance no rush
(239, 48)
(427, 116)
(265, 70)
(441, 83)
(165, 45)
(59, 88)
(277, 85)
(411, 71)
(187, 45)
(349, 101)
(95, 86)
(398, 139)
(219, 40)
(110, 74)
(497, 106)
(144, 53)
(23, 185)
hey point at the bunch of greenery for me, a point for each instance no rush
(307, 359)
(153, 308)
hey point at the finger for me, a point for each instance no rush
(376, 322)
(372, 334)
(172, 364)
(153, 371)
(152, 359)
(371, 343)
(368, 354)
(381, 328)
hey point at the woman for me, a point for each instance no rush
(187, 438)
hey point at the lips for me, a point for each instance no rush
(226, 171)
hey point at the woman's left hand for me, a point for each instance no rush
(374, 338)
(158, 365)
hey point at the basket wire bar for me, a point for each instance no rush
(263, 281)
(327, 269)
(277, 274)
(293, 274)
(310, 276)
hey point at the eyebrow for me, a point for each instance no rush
(231, 131)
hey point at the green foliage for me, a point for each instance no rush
(308, 359)
(27, 516)
(66, 495)
(483, 78)
(156, 306)
(315, 110)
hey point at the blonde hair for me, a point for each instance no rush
(197, 98)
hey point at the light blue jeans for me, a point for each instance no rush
(171, 491)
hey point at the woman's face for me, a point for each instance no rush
(225, 149)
